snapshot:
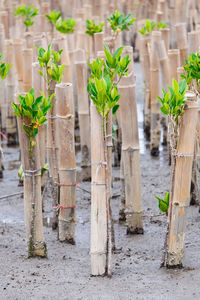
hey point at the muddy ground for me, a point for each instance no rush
(66, 272)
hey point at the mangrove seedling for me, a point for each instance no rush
(52, 73)
(119, 22)
(53, 16)
(103, 91)
(172, 105)
(163, 203)
(192, 71)
(27, 13)
(4, 68)
(150, 25)
(32, 114)
(65, 26)
(93, 28)
(48, 60)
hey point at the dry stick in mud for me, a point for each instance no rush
(173, 104)
(83, 114)
(66, 162)
(52, 74)
(130, 154)
(104, 93)
(30, 152)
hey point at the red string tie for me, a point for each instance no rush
(3, 135)
(63, 207)
(62, 184)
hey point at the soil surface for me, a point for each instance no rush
(66, 272)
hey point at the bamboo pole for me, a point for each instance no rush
(182, 182)
(145, 62)
(174, 63)
(193, 42)
(18, 50)
(2, 83)
(32, 195)
(130, 154)
(27, 69)
(181, 36)
(83, 114)
(66, 161)
(98, 198)
(11, 123)
(154, 79)
(164, 68)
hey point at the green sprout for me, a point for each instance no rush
(192, 71)
(102, 86)
(32, 111)
(161, 25)
(148, 27)
(93, 28)
(4, 68)
(119, 22)
(173, 102)
(48, 60)
(53, 16)
(27, 13)
(65, 26)
(163, 203)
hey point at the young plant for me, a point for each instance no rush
(150, 25)
(4, 68)
(161, 25)
(32, 111)
(119, 22)
(172, 105)
(27, 13)
(192, 71)
(48, 60)
(52, 73)
(93, 28)
(53, 16)
(163, 203)
(65, 26)
(103, 90)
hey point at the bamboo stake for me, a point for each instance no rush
(66, 161)
(174, 62)
(18, 50)
(98, 199)
(145, 62)
(193, 42)
(2, 84)
(182, 182)
(27, 69)
(83, 113)
(11, 124)
(182, 44)
(155, 110)
(131, 156)
(32, 195)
